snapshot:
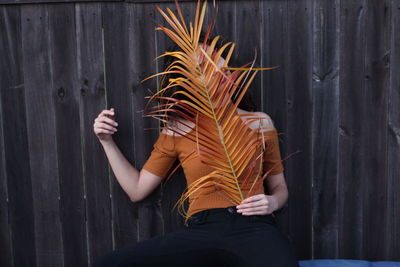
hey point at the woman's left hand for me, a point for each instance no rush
(260, 204)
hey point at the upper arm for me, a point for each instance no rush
(162, 157)
(147, 182)
(157, 166)
(272, 161)
(276, 180)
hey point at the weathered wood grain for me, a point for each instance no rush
(375, 120)
(40, 98)
(325, 128)
(117, 50)
(248, 33)
(225, 17)
(7, 16)
(62, 39)
(392, 230)
(16, 165)
(274, 47)
(92, 84)
(335, 98)
(299, 168)
(6, 259)
(351, 123)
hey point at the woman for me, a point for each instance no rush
(217, 233)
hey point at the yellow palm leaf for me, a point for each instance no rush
(224, 139)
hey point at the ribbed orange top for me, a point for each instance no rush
(168, 148)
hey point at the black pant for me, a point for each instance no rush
(213, 237)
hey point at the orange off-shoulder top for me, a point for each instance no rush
(168, 148)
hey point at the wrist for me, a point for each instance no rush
(106, 143)
(275, 203)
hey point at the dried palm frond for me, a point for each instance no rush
(224, 139)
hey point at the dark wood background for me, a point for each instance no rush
(336, 98)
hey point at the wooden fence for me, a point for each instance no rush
(336, 98)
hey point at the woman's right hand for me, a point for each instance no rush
(104, 125)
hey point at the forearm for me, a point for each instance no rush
(126, 175)
(280, 194)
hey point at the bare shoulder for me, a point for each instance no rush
(166, 130)
(266, 120)
(181, 126)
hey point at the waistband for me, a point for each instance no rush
(221, 213)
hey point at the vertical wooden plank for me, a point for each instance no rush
(351, 106)
(118, 92)
(225, 23)
(65, 83)
(5, 230)
(40, 98)
(91, 79)
(10, 51)
(392, 232)
(225, 19)
(325, 126)
(249, 33)
(299, 124)
(273, 53)
(274, 45)
(20, 202)
(375, 189)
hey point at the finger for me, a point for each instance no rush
(105, 126)
(100, 125)
(107, 120)
(250, 205)
(253, 198)
(253, 209)
(104, 131)
(107, 112)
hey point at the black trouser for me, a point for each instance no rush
(213, 237)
